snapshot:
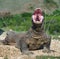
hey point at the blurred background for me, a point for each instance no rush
(16, 14)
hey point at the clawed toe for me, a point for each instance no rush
(46, 51)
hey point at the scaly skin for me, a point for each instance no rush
(33, 39)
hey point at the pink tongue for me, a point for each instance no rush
(37, 18)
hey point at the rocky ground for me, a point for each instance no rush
(10, 52)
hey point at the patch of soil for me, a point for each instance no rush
(11, 52)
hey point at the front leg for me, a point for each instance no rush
(47, 43)
(47, 47)
(24, 48)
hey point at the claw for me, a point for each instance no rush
(46, 51)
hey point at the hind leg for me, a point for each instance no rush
(6, 41)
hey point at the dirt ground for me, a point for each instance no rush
(10, 52)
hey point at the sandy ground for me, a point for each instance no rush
(10, 52)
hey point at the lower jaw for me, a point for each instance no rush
(37, 22)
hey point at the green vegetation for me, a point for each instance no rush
(22, 22)
(16, 22)
(50, 3)
(47, 57)
(53, 22)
